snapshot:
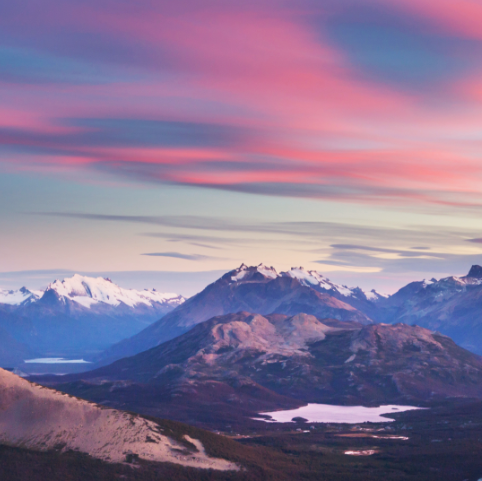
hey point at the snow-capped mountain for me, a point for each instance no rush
(257, 289)
(365, 301)
(79, 315)
(452, 306)
(88, 291)
(307, 278)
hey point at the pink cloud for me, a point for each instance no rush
(259, 68)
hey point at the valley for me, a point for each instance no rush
(306, 386)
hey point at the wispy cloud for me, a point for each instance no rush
(178, 255)
(306, 229)
(399, 252)
(363, 102)
(346, 100)
(382, 248)
(416, 267)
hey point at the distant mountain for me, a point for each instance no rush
(255, 289)
(244, 361)
(80, 315)
(12, 352)
(19, 297)
(41, 419)
(91, 293)
(452, 305)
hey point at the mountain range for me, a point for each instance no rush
(77, 316)
(452, 305)
(254, 341)
(257, 289)
(102, 322)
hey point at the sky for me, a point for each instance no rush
(162, 142)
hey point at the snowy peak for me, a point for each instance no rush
(89, 290)
(475, 272)
(19, 297)
(317, 281)
(453, 284)
(254, 273)
(313, 279)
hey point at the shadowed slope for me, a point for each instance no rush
(452, 305)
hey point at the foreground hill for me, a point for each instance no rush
(452, 305)
(79, 314)
(236, 365)
(255, 289)
(42, 419)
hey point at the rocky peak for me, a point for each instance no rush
(476, 272)
(51, 297)
(259, 273)
(270, 334)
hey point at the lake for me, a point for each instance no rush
(328, 413)
(55, 360)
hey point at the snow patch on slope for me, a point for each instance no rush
(267, 271)
(312, 278)
(374, 295)
(240, 273)
(244, 273)
(315, 279)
